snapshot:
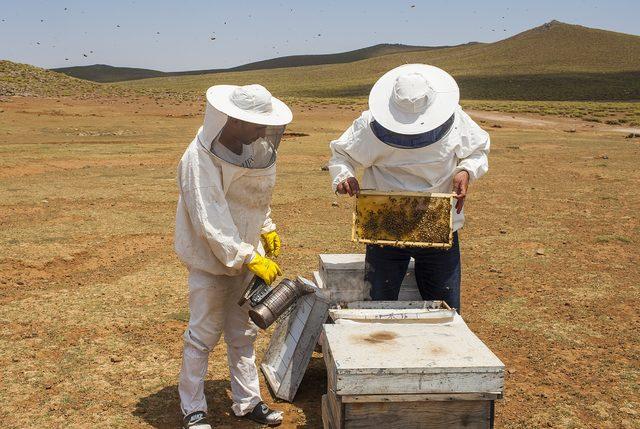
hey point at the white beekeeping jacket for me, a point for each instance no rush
(426, 169)
(222, 208)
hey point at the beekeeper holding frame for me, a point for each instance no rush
(414, 138)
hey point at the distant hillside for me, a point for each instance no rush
(314, 60)
(106, 73)
(555, 61)
(554, 47)
(26, 80)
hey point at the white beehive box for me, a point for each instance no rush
(292, 344)
(395, 312)
(409, 358)
(418, 371)
(342, 275)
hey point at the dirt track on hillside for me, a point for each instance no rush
(548, 122)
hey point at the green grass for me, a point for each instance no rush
(612, 238)
(21, 79)
(106, 73)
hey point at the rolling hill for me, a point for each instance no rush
(27, 80)
(555, 61)
(106, 73)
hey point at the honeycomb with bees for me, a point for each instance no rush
(403, 219)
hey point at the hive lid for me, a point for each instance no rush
(374, 348)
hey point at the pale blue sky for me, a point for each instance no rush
(43, 33)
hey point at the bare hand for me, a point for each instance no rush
(460, 185)
(349, 186)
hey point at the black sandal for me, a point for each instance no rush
(262, 414)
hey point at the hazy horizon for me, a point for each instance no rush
(196, 34)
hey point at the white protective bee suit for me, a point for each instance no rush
(410, 107)
(223, 208)
(427, 169)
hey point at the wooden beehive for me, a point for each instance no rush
(397, 375)
(395, 312)
(403, 219)
(342, 276)
(292, 344)
(432, 411)
(409, 358)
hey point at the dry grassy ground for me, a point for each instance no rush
(93, 300)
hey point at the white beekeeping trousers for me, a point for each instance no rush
(213, 310)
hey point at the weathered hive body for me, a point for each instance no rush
(292, 344)
(428, 372)
(342, 276)
(405, 358)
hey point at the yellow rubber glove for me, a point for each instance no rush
(264, 268)
(272, 243)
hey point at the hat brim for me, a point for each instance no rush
(386, 113)
(219, 96)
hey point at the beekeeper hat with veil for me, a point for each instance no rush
(243, 125)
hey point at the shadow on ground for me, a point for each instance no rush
(161, 409)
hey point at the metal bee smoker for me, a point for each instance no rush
(268, 303)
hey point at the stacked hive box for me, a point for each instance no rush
(411, 370)
(342, 275)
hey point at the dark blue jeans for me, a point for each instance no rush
(437, 272)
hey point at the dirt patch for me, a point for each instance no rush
(437, 350)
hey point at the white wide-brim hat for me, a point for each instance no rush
(250, 103)
(414, 98)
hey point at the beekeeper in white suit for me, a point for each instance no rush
(414, 137)
(223, 227)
